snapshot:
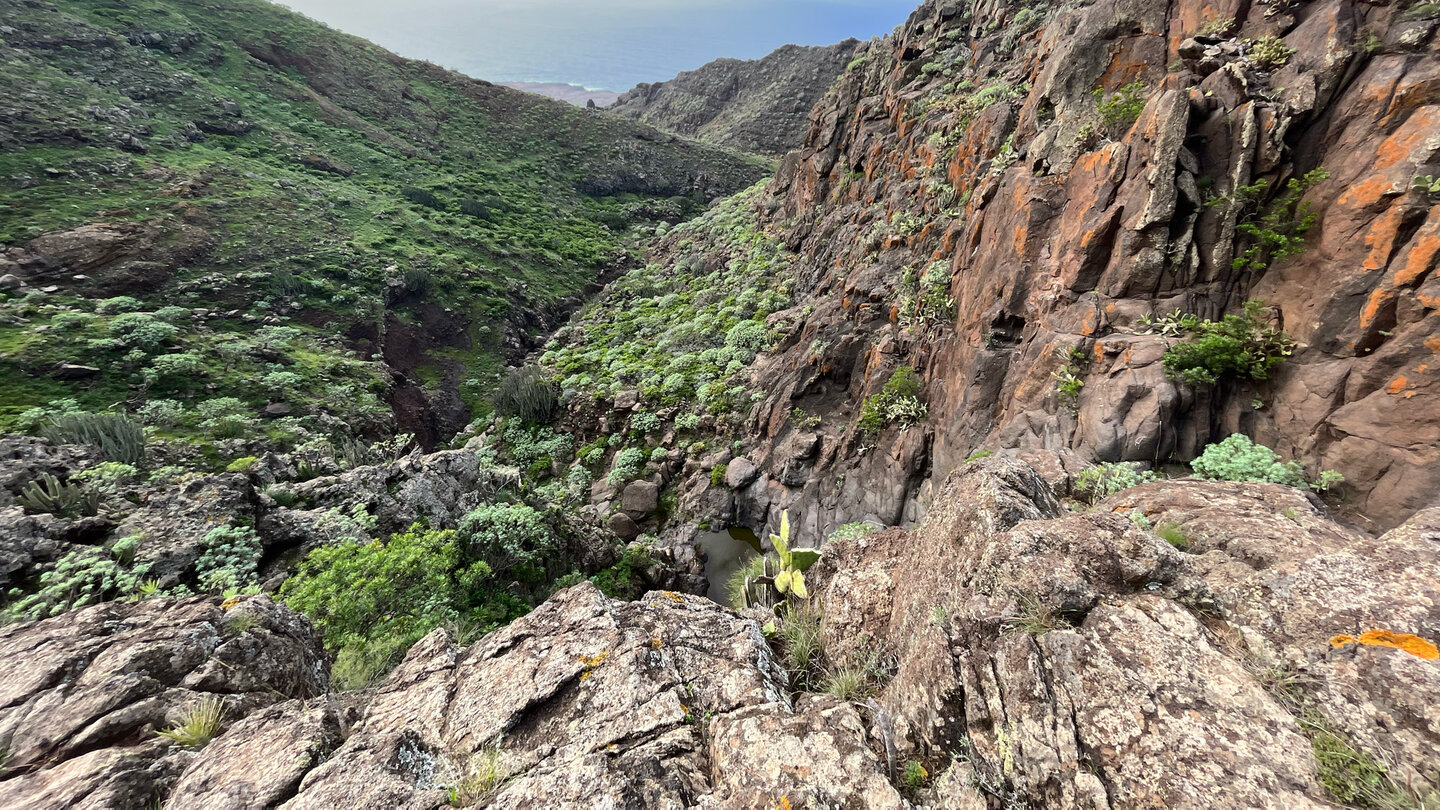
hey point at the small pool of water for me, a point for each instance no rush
(725, 552)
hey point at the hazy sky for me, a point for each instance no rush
(609, 44)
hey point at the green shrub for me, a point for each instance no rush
(896, 403)
(528, 394)
(420, 196)
(116, 305)
(371, 601)
(1241, 347)
(851, 531)
(717, 474)
(229, 558)
(1120, 109)
(162, 412)
(915, 775)
(1270, 52)
(141, 331)
(748, 335)
(84, 577)
(624, 579)
(1280, 231)
(1237, 458)
(1217, 27)
(511, 539)
(628, 464)
(1100, 481)
(115, 435)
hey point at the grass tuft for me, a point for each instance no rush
(201, 724)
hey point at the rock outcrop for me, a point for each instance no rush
(761, 105)
(1006, 199)
(1060, 224)
(83, 695)
(1020, 655)
(1078, 660)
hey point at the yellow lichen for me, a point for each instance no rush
(677, 598)
(230, 603)
(591, 663)
(784, 803)
(656, 643)
(1406, 642)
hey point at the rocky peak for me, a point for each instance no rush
(759, 105)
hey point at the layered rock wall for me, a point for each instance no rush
(974, 141)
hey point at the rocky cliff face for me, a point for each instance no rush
(759, 106)
(1009, 201)
(1014, 655)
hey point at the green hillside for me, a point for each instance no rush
(256, 232)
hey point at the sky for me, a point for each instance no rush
(599, 44)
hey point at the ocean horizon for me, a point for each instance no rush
(599, 46)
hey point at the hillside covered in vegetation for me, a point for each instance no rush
(217, 214)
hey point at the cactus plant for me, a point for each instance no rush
(64, 500)
(793, 562)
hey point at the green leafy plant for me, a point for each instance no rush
(915, 776)
(1430, 184)
(372, 600)
(790, 578)
(229, 558)
(1217, 27)
(717, 474)
(1238, 458)
(511, 539)
(1068, 380)
(201, 723)
(1269, 52)
(1120, 109)
(1278, 232)
(83, 577)
(1237, 346)
(1099, 481)
(896, 403)
(50, 496)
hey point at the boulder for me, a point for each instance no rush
(83, 694)
(740, 472)
(640, 499)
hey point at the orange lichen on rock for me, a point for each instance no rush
(1406, 642)
(1397, 385)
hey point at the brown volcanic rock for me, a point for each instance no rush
(1086, 663)
(760, 105)
(1066, 241)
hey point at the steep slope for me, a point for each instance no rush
(1045, 215)
(759, 105)
(396, 232)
